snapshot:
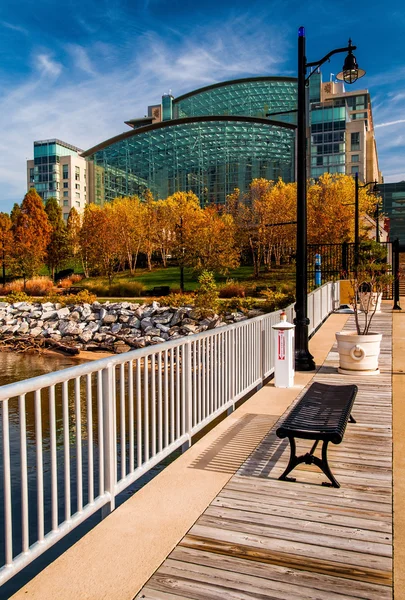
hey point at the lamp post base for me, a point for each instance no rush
(304, 361)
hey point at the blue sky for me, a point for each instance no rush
(76, 70)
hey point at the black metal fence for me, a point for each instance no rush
(328, 262)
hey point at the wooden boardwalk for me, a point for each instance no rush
(261, 538)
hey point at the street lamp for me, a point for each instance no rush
(303, 359)
(356, 214)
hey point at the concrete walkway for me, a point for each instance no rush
(116, 558)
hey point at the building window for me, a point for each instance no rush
(77, 186)
(77, 173)
(65, 184)
(355, 141)
(355, 170)
(65, 216)
(355, 158)
(65, 194)
(77, 195)
(77, 203)
(32, 175)
(65, 173)
(66, 203)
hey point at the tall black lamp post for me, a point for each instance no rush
(356, 215)
(303, 359)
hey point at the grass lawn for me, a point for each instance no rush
(171, 277)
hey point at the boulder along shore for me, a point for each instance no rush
(110, 327)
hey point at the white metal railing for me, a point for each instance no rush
(82, 435)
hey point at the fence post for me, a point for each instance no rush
(395, 256)
(188, 391)
(232, 368)
(109, 439)
(345, 262)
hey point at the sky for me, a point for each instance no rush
(77, 70)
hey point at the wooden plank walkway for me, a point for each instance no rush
(261, 538)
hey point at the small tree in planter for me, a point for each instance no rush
(359, 350)
(369, 283)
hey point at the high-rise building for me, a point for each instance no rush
(341, 131)
(393, 195)
(59, 171)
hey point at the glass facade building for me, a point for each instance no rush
(44, 175)
(341, 132)
(393, 195)
(209, 141)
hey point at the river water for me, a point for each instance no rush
(16, 367)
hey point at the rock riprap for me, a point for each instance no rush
(115, 327)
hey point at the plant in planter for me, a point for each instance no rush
(359, 350)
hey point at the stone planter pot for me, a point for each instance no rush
(358, 354)
(375, 299)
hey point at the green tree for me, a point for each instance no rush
(57, 250)
(32, 232)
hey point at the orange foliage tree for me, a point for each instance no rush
(32, 232)
(6, 243)
(331, 209)
(99, 241)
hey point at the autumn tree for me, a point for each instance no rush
(127, 214)
(32, 232)
(214, 245)
(150, 225)
(331, 209)
(57, 251)
(99, 240)
(179, 217)
(6, 242)
(73, 226)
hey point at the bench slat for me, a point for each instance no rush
(322, 413)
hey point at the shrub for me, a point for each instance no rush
(129, 289)
(207, 294)
(232, 289)
(177, 300)
(39, 286)
(17, 297)
(274, 300)
(65, 283)
(12, 286)
(82, 297)
(240, 304)
(75, 277)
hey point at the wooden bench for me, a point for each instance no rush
(320, 415)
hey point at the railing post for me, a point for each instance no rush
(188, 391)
(232, 369)
(109, 439)
(262, 352)
(395, 256)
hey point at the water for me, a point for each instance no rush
(16, 367)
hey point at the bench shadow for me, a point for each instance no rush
(236, 444)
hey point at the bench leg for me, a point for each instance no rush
(309, 459)
(351, 419)
(292, 463)
(324, 466)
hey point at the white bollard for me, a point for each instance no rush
(284, 353)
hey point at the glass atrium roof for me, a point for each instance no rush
(254, 97)
(209, 155)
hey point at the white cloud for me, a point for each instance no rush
(14, 27)
(86, 99)
(397, 122)
(47, 66)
